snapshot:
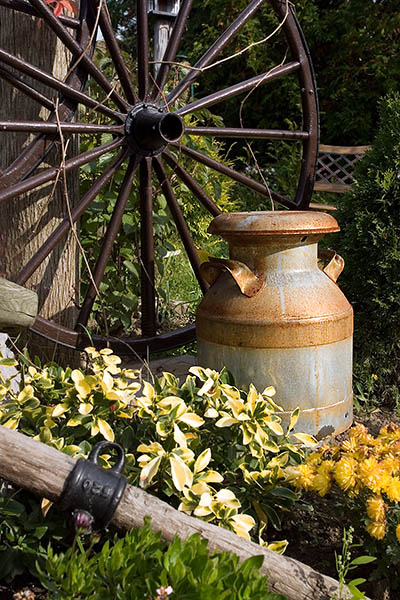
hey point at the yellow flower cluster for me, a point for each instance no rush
(362, 463)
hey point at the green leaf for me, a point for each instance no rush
(250, 564)
(173, 553)
(281, 492)
(272, 515)
(357, 594)
(306, 439)
(8, 362)
(363, 560)
(40, 531)
(294, 418)
(357, 581)
(132, 268)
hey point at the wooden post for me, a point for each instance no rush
(163, 28)
(18, 306)
(42, 469)
(27, 222)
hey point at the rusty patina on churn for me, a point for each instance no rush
(272, 316)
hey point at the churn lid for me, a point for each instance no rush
(277, 222)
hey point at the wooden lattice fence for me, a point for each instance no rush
(335, 167)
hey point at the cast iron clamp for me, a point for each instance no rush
(96, 490)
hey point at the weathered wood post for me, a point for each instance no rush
(43, 470)
(165, 12)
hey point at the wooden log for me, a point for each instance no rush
(18, 306)
(42, 469)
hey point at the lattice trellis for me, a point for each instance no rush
(335, 167)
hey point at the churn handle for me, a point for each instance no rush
(249, 283)
(335, 265)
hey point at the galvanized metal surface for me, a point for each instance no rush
(316, 378)
(296, 331)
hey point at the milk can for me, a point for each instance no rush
(275, 316)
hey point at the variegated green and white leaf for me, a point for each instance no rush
(181, 474)
(306, 439)
(294, 417)
(148, 472)
(202, 461)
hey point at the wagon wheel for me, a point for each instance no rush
(147, 125)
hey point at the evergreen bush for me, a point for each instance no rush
(141, 565)
(370, 220)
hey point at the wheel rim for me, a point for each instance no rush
(145, 134)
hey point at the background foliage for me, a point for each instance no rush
(355, 50)
(354, 45)
(369, 242)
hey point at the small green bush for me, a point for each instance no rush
(24, 532)
(370, 220)
(204, 446)
(141, 565)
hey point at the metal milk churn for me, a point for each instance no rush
(272, 316)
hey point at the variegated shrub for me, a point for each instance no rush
(206, 447)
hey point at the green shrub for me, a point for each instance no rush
(141, 565)
(205, 447)
(24, 532)
(370, 220)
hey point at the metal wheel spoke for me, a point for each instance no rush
(24, 7)
(62, 229)
(239, 177)
(66, 127)
(148, 295)
(55, 83)
(142, 48)
(243, 132)
(108, 241)
(172, 48)
(20, 85)
(239, 88)
(179, 221)
(192, 184)
(215, 49)
(78, 51)
(9, 192)
(117, 58)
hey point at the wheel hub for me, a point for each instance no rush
(149, 128)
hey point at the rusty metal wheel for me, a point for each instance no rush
(147, 125)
